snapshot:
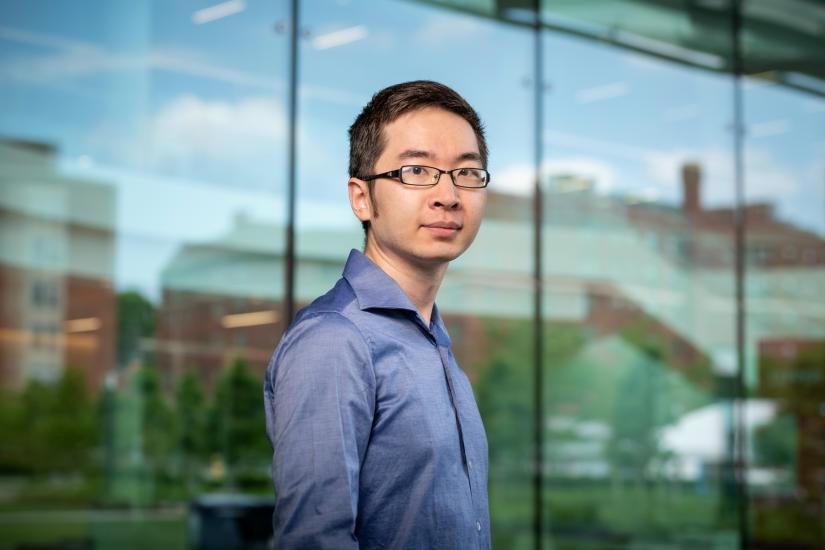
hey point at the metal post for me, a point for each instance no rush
(740, 428)
(289, 253)
(538, 320)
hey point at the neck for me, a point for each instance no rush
(420, 282)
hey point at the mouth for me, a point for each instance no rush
(443, 229)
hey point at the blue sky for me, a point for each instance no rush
(188, 121)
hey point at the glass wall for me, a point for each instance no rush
(486, 299)
(141, 251)
(783, 152)
(678, 155)
(639, 293)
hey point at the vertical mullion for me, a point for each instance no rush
(289, 253)
(538, 342)
(740, 462)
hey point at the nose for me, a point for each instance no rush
(445, 194)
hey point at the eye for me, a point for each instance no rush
(416, 170)
(470, 173)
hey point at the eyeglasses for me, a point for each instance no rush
(427, 176)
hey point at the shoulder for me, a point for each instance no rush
(324, 338)
(339, 299)
(323, 328)
(319, 340)
(328, 316)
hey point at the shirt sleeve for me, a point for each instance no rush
(320, 397)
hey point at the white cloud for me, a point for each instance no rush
(769, 128)
(71, 59)
(340, 37)
(192, 63)
(67, 64)
(595, 145)
(190, 127)
(764, 177)
(518, 178)
(664, 168)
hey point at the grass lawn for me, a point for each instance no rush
(107, 529)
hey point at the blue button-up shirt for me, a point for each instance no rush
(377, 438)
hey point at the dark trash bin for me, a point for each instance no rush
(229, 521)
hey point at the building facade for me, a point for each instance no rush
(642, 315)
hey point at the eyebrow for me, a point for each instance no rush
(469, 156)
(421, 154)
(414, 154)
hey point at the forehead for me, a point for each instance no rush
(431, 129)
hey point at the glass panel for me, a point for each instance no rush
(784, 153)
(486, 298)
(141, 212)
(639, 302)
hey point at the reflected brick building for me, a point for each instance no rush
(56, 269)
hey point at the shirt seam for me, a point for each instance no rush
(367, 342)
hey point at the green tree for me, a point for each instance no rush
(156, 419)
(71, 429)
(33, 425)
(775, 442)
(136, 319)
(12, 453)
(52, 428)
(502, 391)
(634, 442)
(191, 415)
(237, 419)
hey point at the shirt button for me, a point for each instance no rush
(478, 526)
(469, 464)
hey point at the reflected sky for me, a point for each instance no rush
(185, 115)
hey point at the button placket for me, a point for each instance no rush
(445, 363)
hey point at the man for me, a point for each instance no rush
(377, 438)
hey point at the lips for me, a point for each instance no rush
(443, 225)
(443, 230)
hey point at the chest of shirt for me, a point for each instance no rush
(418, 384)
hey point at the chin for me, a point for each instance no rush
(439, 254)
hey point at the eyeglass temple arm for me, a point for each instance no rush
(390, 174)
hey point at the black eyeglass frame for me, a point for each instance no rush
(396, 174)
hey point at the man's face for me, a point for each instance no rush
(427, 226)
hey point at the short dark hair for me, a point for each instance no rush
(366, 135)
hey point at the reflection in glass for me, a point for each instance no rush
(785, 315)
(486, 297)
(140, 260)
(142, 208)
(639, 300)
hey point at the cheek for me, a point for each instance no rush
(406, 208)
(474, 209)
(398, 213)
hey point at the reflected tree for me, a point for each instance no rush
(136, 319)
(71, 432)
(50, 428)
(191, 437)
(236, 422)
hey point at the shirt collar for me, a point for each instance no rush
(375, 289)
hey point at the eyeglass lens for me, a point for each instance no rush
(425, 175)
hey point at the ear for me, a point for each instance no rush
(359, 199)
